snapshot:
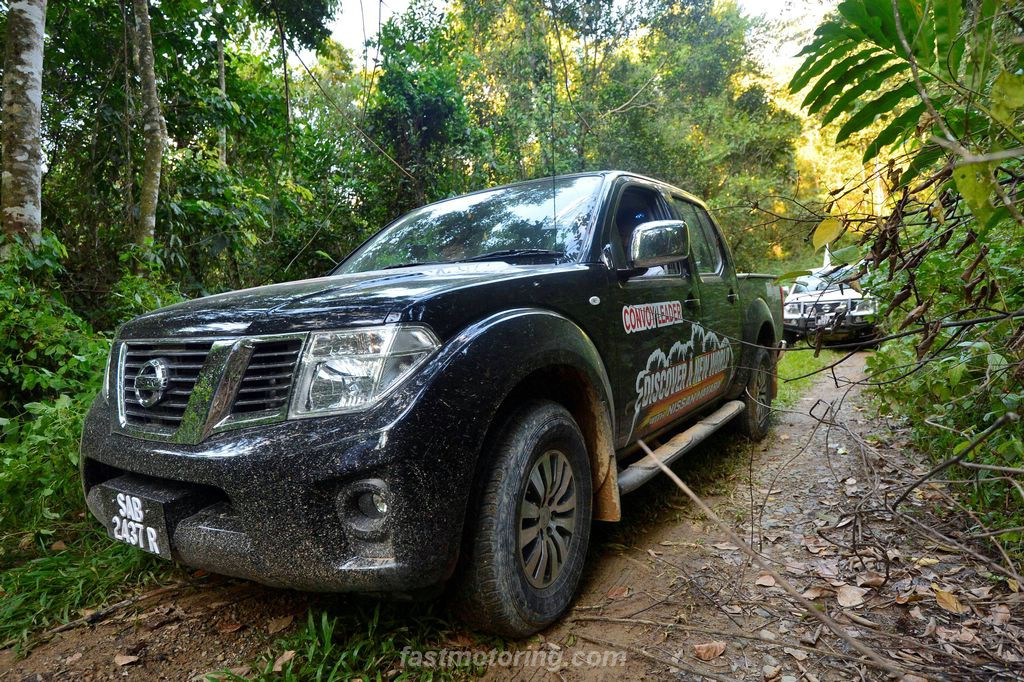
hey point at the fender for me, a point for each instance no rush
(479, 367)
(755, 316)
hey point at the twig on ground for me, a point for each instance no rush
(872, 656)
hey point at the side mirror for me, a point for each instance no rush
(659, 242)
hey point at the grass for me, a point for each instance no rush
(800, 362)
(41, 587)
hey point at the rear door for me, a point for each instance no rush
(720, 314)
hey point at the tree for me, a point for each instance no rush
(22, 104)
(154, 130)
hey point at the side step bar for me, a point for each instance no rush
(635, 475)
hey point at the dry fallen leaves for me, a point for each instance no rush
(618, 592)
(276, 625)
(870, 579)
(228, 627)
(121, 660)
(281, 661)
(949, 602)
(765, 580)
(798, 654)
(815, 592)
(999, 615)
(58, 546)
(850, 596)
(709, 651)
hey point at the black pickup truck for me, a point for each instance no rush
(453, 405)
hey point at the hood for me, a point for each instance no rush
(828, 296)
(325, 302)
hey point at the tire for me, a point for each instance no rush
(757, 396)
(537, 468)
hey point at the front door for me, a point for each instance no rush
(653, 370)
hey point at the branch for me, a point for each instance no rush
(978, 440)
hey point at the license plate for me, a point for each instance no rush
(824, 320)
(138, 521)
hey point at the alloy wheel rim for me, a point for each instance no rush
(547, 518)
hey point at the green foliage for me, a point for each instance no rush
(47, 349)
(949, 247)
(359, 640)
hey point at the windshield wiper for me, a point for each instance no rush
(513, 253)
(413, 264)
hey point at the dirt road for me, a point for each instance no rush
(667, 593)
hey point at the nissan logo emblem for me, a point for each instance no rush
(151, 382)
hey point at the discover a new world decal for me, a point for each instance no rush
(687, 375)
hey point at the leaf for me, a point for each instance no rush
(949, 602)
(948, 15)
(981, 45)
(815, 593)
(798, 654)
(618, 592)
(278, 624)
(819, 61)
(850, 596)
(847, 99)
(870, 112)
(228, 627)
(999, 615)
(1007, 96)
(765, 580)
(923, 160)
(1013, 585)
(709, 651)
(841, 74)
(790, 276)
(121, 660)
(870, 579)
(827, 231)
(281, 661)
(975, 183)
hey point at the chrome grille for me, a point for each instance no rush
(267, 381)
(184, 361)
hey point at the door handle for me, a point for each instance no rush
(692, 303)
(732, 297)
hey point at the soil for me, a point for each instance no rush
(667, 592)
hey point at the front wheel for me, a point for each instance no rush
(757, 396)
(528, 542)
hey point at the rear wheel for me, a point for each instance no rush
(528, 542)
(757, 396)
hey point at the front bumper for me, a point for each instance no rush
(277, 500)
(849, 327)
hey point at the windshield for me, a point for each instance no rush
(542, 216)
(824, 281)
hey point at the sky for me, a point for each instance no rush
(358, 20)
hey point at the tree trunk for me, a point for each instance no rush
(284, 65)
(222, 133)
(153, 130)
(22, 101)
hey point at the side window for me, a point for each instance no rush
(640, 205)
(707, 253)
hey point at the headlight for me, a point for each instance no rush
(791, 310)
(348, 371)
(865, 306)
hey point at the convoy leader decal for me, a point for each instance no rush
(639, 318)
(690, 373)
